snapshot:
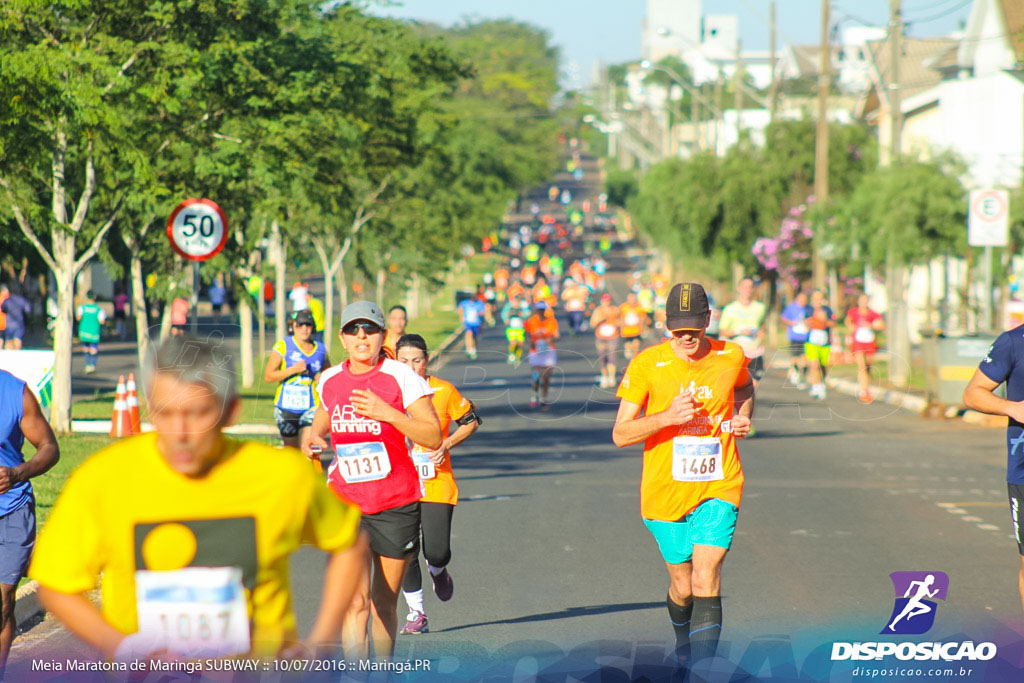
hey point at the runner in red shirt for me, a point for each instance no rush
(864, 323)
(369, 405)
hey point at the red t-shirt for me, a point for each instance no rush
(371, 467)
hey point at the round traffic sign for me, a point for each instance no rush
(990, 206)
(197, 229)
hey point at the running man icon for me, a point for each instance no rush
(918, 589)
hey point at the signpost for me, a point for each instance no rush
(988, 226)
(197, 230)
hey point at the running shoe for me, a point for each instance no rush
(416, 623)
(865, 397)
(511, 358)
(533, 401)
(444, 587)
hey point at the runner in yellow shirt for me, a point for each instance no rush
(189, 533)
(697, 398)
(440, 493)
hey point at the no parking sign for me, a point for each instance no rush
(988, 221)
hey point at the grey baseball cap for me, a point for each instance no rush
(363, 310)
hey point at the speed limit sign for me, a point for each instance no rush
(197, 229)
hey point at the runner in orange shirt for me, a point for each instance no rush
(605, 323)
(634, 325)
(441, 494)
(398, 318)
(543, 330)
(698, 398)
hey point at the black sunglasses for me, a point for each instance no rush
(679, 334)
(367, 327)
(303, 324)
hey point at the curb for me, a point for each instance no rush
(439, 358)
(26, 606)
(915, 404)
(103, 427)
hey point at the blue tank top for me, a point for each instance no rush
(297, 393)
(11, 440)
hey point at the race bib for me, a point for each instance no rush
(516, 323)
(632, 319)
(543, 345)
(606, 331)
(296, 398)
(799, 329)
(864, 335)
(697, 458)
(424, 465)
(818, 337)
(197, 611)
(361, 462)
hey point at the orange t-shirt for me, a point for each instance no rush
(633, 316)
(538, 327)
(655, 377)
(449, 405)
(390, 341)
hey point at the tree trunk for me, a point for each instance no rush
(245, 340)
(280, 279)
(64, 257)
(342, 288)
(412, 297)
(139, 305)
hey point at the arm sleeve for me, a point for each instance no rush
(413, 386)
(332, 524)
(68, 556)
(457, 406)
(998, 364)
(633, 387)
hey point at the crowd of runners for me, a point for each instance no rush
(189, 538)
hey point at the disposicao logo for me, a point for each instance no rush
(913, 613)
(916, 593)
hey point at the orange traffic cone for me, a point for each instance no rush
(121, 421)
(133, 405)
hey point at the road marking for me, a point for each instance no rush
(971, 518)
(988, 527)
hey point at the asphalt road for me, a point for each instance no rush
(553, 568)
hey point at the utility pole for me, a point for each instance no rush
(821, 146)
(695, 119)
(899, 352)
(738, 84)
(773, 90)
(720, 121)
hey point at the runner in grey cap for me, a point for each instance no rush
(363, 310)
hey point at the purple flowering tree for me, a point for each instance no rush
(787, 255)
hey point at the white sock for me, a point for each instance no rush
(414, 600)
(434, 571)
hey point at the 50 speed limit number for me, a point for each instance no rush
(197, 229)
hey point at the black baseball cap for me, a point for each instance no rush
(304, 317)
(687, 307)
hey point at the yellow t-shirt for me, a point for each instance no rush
(655, 377)
(125, 509)
(449, 405)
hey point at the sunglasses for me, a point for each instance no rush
(369, 328)
(679, 334)
(303, 324)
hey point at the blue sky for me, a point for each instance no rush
(609, 30)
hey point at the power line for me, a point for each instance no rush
(939, 15)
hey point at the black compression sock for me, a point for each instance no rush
(705, 627)
(680, 618)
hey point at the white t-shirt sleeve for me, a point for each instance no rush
(103, 316)
(412, 385)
